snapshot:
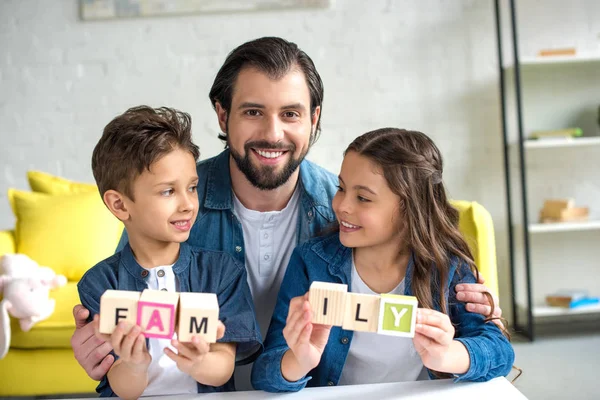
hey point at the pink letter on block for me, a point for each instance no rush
(157, 320)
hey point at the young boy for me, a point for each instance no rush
(145, 169)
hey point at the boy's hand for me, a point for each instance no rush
(190, 355)
(434, 335)
(129, 344)
(306, 340)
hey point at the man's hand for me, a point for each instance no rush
(90, 352)
(477, 301)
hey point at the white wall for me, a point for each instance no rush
(428, 65)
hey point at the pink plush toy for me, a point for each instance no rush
(25, 287)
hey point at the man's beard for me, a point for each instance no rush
(265, 177)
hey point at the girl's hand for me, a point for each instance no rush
(433, 339)
(306, 340)
(190, 355)
(129, 344)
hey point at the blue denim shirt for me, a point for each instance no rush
(196, 271)
(326, 259)
(216, 228)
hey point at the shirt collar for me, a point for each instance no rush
(136, 270)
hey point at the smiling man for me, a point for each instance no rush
(260, 197)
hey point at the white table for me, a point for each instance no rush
(498, 388)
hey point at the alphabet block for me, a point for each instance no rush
(117, 305)
(397, 315)
(156, 313)
(362, 312)
(198, 316)
(327, 302)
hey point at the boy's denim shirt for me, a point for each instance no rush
(326, 259)
(196, 271)
(217, 228)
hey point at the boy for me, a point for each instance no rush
(145, 169)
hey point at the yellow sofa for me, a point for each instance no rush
(65, 226)
(41, 361)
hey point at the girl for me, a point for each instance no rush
(397, 234)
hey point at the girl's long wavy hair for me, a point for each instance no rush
(412, 166)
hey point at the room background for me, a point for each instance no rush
(429, 65)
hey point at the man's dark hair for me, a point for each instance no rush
(134, 140)
(275, 57)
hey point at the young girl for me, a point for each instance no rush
(397, 234)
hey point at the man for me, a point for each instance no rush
(259, 198)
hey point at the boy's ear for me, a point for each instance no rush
(222, 116)
(115, 202)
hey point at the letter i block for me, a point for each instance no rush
(397, 315)
(156, 313)
(117, 305)
(327, 302)
(198, 316)
(362, 312)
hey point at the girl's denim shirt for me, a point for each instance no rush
(326, 259)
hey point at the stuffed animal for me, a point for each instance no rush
(25, 287)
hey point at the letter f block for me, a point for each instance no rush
(327, 301)
(116, 306)
(198, 316)
(397, 315)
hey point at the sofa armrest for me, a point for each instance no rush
(7, 242)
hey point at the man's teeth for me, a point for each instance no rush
(347, 225)
(270, 154)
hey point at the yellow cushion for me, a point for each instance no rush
(477, 227)
(54, 332)
(50, 184)
(68, 233)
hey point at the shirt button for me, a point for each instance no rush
(330, 383)
(164, 289)
(267, 257)
(271, 218)
(144, 273)
(310, 214)
(344, 340)
(266, 236)
(160, 273)
(238, 249)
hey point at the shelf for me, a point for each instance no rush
(547, 311)
(562, 142)
(577, 59)
(564, 226)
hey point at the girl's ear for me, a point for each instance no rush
(222, 116)
(116, 204)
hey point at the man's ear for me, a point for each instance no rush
(222, 116)
(315, 118)
(116, 203)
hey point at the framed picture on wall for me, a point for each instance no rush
(110, 9)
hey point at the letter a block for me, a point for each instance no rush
(117, 305)
(362, 312)
(327, 302)
(156, 313)
(198, 316)
(397, 315)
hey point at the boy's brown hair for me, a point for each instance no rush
(136, 139)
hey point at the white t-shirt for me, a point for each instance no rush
(374, 358)
(269, 240)
(163, 375)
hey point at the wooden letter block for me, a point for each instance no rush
(362, 312)
(397, 315)
(156, 313)
(117, 305)
(198, 316)
(327, 302)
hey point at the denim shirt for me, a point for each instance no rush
(217, 228)
(326, 259)
(195, 271)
